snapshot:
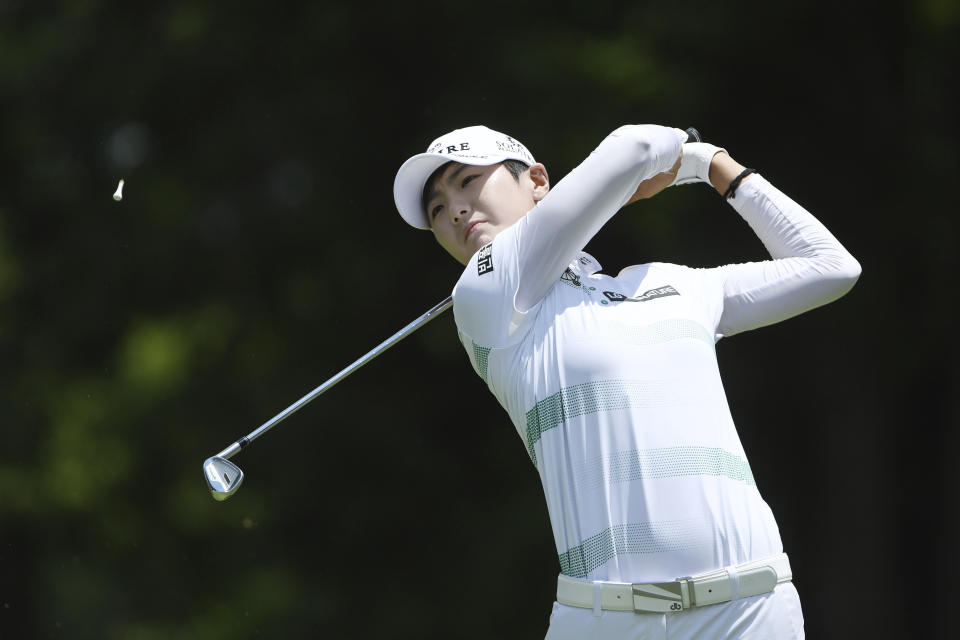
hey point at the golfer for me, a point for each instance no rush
(612, 381)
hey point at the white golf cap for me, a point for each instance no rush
(476, 145)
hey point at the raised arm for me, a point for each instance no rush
(809, 267)
(578, 206)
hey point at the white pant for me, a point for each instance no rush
(769, 616)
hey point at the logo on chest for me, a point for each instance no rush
(652, 294)
(485, 260)
(570, 278)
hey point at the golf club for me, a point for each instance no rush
(224, 478)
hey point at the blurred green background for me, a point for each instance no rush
(257, 251)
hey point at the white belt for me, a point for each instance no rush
(740, 581)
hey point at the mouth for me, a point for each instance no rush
(470, 228)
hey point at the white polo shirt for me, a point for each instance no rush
(613, 387)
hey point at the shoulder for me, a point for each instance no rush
(660, 267)
(696, 280)
(484, 296)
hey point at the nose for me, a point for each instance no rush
(458, 211)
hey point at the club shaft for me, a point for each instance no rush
(234, 448)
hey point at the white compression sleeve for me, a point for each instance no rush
(809, 268)
(578, 206)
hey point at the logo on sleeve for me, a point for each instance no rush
(659, 292)
(485, 260)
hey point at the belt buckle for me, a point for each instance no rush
(661, 597)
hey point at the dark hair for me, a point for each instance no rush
(515, 167)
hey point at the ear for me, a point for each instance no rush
(540, 179)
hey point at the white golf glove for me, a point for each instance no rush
(695, 164)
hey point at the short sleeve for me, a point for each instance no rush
(710, 292)
(703, 289)
(484, 299)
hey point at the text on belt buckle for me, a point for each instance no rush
(660, 597)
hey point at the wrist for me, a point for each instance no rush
(723, 170)
(731, 191)
(696, 162)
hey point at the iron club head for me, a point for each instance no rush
(223, 477)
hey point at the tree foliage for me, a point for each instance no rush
(257, 251)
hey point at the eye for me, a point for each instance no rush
(467, 180)
(435, 211)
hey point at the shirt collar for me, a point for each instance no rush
(585, 264)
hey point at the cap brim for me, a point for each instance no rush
(412, 177)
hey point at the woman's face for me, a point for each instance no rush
(468, 205)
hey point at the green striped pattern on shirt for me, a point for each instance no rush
(611, 395)
(481, 356)
(590, 397)
(667, 462)
(644, 537)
